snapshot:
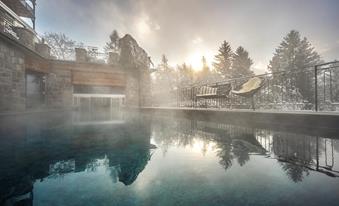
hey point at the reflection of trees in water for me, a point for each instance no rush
(231, 142)
(170, 132)
(296, 153)
(241, 152)
(294, 171)
(224, 152)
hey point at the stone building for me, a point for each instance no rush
(31, 79)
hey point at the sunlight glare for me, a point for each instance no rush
(195, 59)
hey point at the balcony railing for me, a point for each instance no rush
(314, 88)
(27, 6)
(23, 8)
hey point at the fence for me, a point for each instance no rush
(314, 88)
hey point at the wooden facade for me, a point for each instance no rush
(98, 79)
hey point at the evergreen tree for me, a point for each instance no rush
(293, 54)
(205, 69)
(204, 75)
(223, 60)
(185, 75)
(164, 62)
(164, 83)
(113, 44)
(241, 63)
(165, 76)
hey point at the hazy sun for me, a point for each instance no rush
(195, 59)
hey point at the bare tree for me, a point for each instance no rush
(62, 47)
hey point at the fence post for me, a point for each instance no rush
(177, 95)
(316, 88)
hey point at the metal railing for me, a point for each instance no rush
(28, 6)
(10, 20)
(314, 88)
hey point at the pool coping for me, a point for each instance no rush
(29, 112)
(313, 123)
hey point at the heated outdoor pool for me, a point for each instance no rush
(140, 159)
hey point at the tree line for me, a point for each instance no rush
(292, 54)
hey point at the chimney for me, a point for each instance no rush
(43, 49)
(81, 55)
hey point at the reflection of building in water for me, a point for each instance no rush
(57, 149)
(98, 116)
(129, 163)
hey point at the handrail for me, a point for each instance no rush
(26, 5)
(311, 68)
(17, 18)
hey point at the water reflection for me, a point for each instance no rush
(32, 151)
(119, 146)
(296, 153)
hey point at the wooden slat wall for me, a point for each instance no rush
(98, 78)
(38, 65)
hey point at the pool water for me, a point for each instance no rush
(141, 159)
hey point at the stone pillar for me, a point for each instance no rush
(136, 63)
(81, 55)
(43, 49)
(113, 58)
(26, 36)
(132, 89)
(145, 88)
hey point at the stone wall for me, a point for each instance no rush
(133, 64)
(59, 89)
(132, 89)
(135, 61)
(12, 78)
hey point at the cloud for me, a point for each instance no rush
(197, 40)
(259, 68)
(180, 28)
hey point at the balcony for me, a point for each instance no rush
(23, 8)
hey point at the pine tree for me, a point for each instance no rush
(113, 44)
(205, 69)
(204, 75)
(185, 75)
(241, 63)
(223, 60)
(293, 54)
(164, 83)
(164, 62)
(165, 76)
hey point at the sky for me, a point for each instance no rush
(186, 30)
